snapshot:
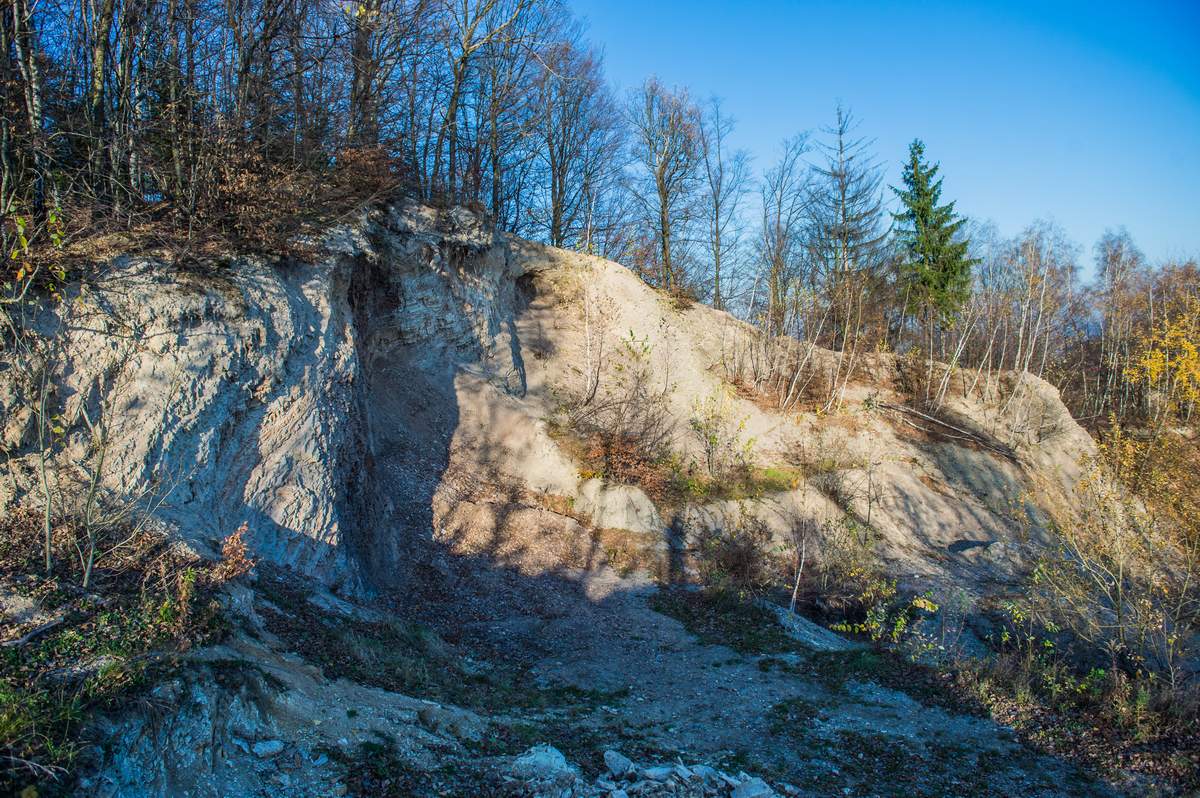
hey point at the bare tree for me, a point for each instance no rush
(781, 240)
(1122, 302)
(577, 139)
(726, 179)
(22, 47)
(472, 25)
(217, 111)
(848, 237)
(666, 133)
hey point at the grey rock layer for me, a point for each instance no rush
(298, 398)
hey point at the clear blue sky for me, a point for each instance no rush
(1087, 113)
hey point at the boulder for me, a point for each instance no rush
(753, 788)
(618, 507)
(658, 773)
(807, 633)
(543, 762)
(618, 764)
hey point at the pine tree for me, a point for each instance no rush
(935, 271)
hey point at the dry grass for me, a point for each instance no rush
(251, 205)
(629, 552)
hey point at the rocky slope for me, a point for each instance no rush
(380, 417)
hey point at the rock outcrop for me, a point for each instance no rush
(349, 407)
(380, 417)
(306, 399)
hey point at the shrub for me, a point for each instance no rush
(1102, 714)
(888, 617)
(1123, 574)
(737, 555)
(844, 477)
(719, 431)
(626, 427)
(262, 203)
(235, 557)
(622, 458)
(847, 561)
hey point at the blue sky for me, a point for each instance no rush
(1084, 113)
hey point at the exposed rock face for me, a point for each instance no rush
(349, 407)
(306, 399)
(242, 721)
(618, 506)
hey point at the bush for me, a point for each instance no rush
(1124, 572)
(719, 432)
(888, 617)
(624, 459)
(1106, 716)
(857, 598)
(846, 564)
(623, 427)
(262, 203)
(736, 556)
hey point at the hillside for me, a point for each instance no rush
(448, 574)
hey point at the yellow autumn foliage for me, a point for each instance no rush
(1169, 362)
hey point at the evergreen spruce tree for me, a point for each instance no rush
(935, 271)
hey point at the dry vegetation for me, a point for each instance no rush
(1096, 657)
(83, 651)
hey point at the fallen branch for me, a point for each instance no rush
(964, 434)
(34, 633)
(36, 768)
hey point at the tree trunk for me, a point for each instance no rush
(24, 44)
(101, 32)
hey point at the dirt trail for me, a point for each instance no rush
(817, 721)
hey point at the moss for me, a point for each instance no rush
(793, 716)
(405, 657)
(868, 763)
(720, 617)
(688, 485)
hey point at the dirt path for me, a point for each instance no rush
(814, 720)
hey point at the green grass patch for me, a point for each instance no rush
(110, 642)
(691, 485)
